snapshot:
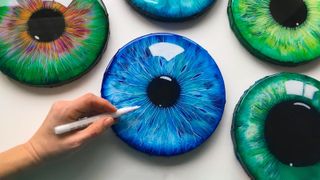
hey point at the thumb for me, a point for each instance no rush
(94, 129)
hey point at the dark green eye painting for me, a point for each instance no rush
(49, 43)
(276, 128)
(284, 32)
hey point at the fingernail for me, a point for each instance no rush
(108, 121)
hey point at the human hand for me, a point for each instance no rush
(45, 143)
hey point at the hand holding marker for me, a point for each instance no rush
(84, 122)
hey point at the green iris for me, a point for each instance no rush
(276, 128)
(284, 32)
(44, 43)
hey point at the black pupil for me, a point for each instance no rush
(292, 133)
(46, 25)
(163, 91)
(289, 13)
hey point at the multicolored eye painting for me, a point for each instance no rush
(284, 32)
(177, 84)
(171, 10)
(49, 43)
(276, 128)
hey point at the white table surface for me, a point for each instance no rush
(23, 108)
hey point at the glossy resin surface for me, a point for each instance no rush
(48, 43)
(284, 32)
(171, 10)
(178, 86)
(276, 128)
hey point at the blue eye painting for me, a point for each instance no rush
(177, 84)
(171, 10)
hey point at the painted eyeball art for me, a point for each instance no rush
(177, 84)
(49, 43)
(276, 128)
(171, 10)
(284, 32)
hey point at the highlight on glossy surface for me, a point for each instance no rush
(283, 32)
(276, 128)
(48, 43)
(171, 10)
(178, 87)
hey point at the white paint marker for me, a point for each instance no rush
(84, 122)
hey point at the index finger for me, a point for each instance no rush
(90, 104)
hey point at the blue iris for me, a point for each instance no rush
(171, 10)
(178, 86)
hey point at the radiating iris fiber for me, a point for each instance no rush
(178, 86)
(171, 10)
(276, 128)
(44, 43)
(284, 32)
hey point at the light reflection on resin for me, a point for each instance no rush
(49, 43)
(276, 128)
(178, 86)
(171, 10)
(283, 32)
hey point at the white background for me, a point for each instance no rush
(23, 108)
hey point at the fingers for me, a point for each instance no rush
(93, 130)
(90, 104)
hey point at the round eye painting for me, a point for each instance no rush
(276, 128)
(171, 10)
(283, 32)
(177, 84)
(49, 43)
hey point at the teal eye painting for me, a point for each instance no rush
(177, 84)
(171, 10)
(48, 43)
(276, 128)
(284, 32)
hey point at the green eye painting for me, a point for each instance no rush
(48, 43)
(276, 128)
(284, 32)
